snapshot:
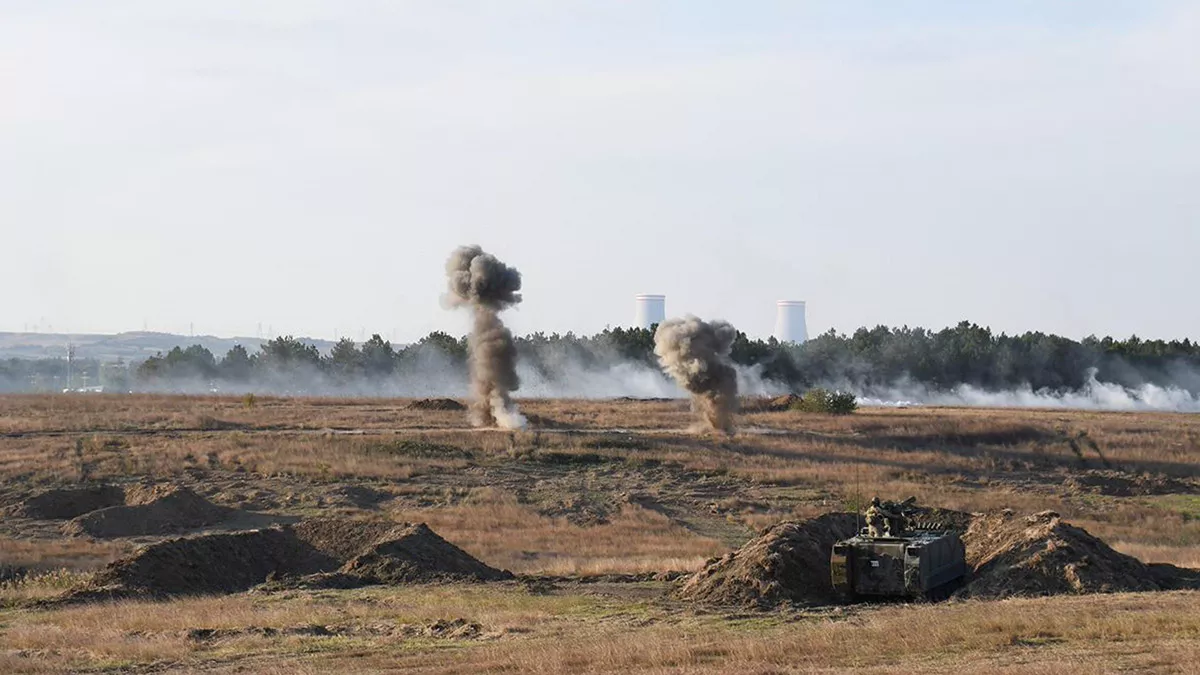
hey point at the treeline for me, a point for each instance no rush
(867, 360)
(54, 374)
(968, 354)
(289, 365)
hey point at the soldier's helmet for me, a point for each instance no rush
(875, 501)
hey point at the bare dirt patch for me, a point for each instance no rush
(1119, 484)
(448, 629)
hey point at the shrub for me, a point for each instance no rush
(825, 401)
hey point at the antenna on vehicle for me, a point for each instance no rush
(857, 501)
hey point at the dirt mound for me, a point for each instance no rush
(323, 553)
(321, 581)
(782, 403)
(358, 496)
(542, 422)
(213, 563)
(762, 404)
(788, 563)
(1041, 555)
(150, 509)
(341, 539)
(69, 503)
(1119, 484)
(416, 553)
(1172, 578)
(435, 404)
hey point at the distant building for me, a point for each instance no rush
(790, 325)
(650, 310)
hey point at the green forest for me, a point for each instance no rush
(864, 361)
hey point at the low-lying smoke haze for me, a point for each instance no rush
(428, 370)
(696, 354)
(486, 286)
(1094, 395)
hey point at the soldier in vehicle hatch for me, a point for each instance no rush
(888, 519)
(897, 516)
(876, 519)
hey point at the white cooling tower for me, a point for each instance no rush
(651, 309)
(789, 321)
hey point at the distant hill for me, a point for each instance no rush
(132, 346)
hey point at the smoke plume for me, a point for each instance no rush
(487, 286)
(696, 354)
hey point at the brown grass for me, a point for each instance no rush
(958, 458)
(103, 456)
(1076, 636)
(488, 491)
(595, 634)
(492, 526)
(60, 553)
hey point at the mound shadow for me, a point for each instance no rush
(150, 510)
(107, 511)
(68, 503)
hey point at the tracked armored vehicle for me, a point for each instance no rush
(904, 559)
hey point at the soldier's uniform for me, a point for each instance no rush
(895, 519)
(876, 519)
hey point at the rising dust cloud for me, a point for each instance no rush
(696, 354)
(480, 282)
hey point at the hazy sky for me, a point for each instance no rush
(309, 165)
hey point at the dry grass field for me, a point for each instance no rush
(584, 506)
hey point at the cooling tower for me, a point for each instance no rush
(789, 321)
(651, 309)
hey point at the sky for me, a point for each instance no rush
(307, 166)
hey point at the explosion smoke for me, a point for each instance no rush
(696, 354)
(479, 281)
